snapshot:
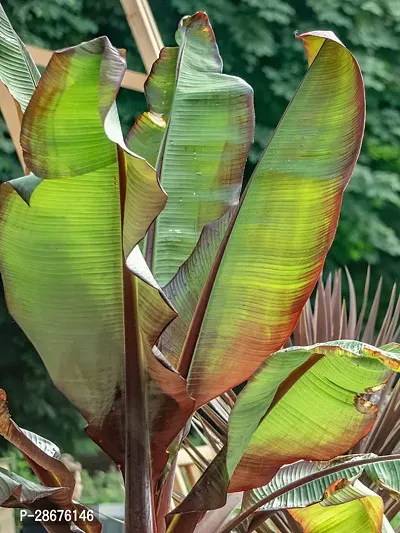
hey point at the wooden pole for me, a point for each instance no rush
(144, 30)
(132, 80)
(12, 120)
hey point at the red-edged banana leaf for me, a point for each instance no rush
(18, 72)
(345, 507)
(277, 239)
(328, 397)
(309, 491)
(324, 387)
(43, 458)
(146, 135)
(304, 483)
(209, 132)
(61, 257)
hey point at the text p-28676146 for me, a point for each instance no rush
(58, 515)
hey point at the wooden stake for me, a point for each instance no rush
(144, 30)
(10, 115)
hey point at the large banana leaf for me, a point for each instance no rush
(345, 505)
(209, 132)
(17, 69)
(310, 489)
(304, 483)
(352, 507)
(278, 237)
(323, 387)
(326, 392)
(62, 258)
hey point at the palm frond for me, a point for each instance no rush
(334, 317)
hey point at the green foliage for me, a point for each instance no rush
(19, 466)
(53, 25)
(102, 487)
(256, 39)
(96, 319)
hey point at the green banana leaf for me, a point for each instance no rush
(324, 386)
(209, 121)
(352, 507)
(308, 492)
(277, 238)
(62, 258)
(327, 391)
(345, 506)
(302, 484)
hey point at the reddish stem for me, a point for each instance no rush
(138, 492)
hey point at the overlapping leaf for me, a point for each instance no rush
(18, 492)
(352, 508)
(308, 490)
(209, 133)
(304, 483)
(323, 386)
(146, 135)
(62, 257)
(277, 240)
(327, 397)
(183, 289)
(346, 505)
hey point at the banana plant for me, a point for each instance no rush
(150, 284)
